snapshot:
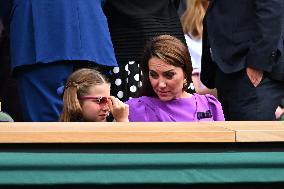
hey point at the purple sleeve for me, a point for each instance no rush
(216, 108)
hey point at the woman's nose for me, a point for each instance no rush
(162, 84)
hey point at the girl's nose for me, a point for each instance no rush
(105, 107)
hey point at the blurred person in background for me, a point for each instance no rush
(192, 25)
(243, 56)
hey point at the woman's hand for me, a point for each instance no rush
(255, 76)
(279, 113)
(119, 110)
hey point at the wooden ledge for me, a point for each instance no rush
(141, 132)
(114, 132)
(257, 131)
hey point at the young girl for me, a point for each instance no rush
(87, 98)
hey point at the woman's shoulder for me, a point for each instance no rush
(143, 101)
(138, 100)
(214, 105)
(141, 109)
(207, 97)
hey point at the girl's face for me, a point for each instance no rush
(94, 105)
(166, 80)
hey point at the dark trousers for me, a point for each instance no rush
(241, 101)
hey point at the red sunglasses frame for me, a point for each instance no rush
(99, 99)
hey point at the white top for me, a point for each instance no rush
(195, 51)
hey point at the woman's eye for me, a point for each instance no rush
(169, 75)
(153, 75)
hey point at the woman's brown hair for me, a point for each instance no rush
(77, 85)
(172, 51)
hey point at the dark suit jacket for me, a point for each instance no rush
(243, 33)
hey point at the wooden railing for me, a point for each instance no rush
(138, 132)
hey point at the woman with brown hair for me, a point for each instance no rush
(166, 68)
(132, 23)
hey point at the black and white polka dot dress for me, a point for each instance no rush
(126, 80)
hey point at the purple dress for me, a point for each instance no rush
(196, 108)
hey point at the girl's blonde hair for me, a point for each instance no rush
(193, 16)
(78, 85)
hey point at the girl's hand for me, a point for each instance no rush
(118, 109)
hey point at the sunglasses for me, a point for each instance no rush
(98, 100)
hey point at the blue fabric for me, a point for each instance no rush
(53, 31)
(38, 90)
(44, 31)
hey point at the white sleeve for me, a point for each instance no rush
(195, 51)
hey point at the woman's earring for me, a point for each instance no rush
(184, 83)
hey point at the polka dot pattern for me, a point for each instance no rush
(133, 88)
(119, 94)
(126, 80)
(136, 77)
(118, 82)
(116, 70)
